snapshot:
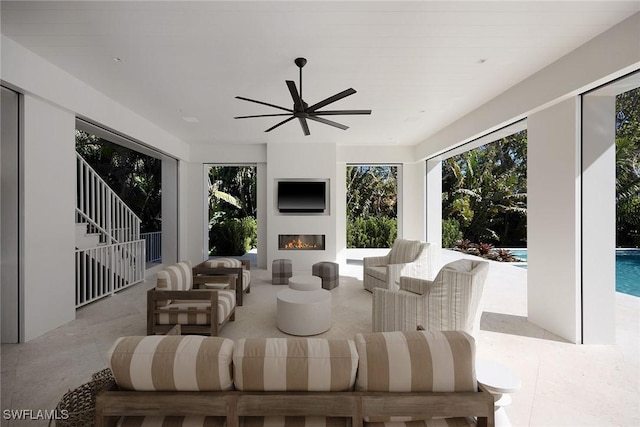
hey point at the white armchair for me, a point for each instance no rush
(450, 302)
(406, 258)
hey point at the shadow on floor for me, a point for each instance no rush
(515, 325)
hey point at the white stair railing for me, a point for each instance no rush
(101, 207)
(106, 269)
(153, 245)
(119, 259)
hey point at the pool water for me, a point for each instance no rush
(627, 269)
(628, 272)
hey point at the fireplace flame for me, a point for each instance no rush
(299, 244)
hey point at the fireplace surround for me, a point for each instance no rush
(301, 242)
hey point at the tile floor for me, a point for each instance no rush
(562, 384)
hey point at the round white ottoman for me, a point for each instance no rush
(305, 283)
(303, 313)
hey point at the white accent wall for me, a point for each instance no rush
(301, 161)
(49, 183)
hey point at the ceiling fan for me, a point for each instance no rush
(302, 111)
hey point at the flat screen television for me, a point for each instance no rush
(302, 196)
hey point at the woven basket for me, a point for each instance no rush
(80, 403)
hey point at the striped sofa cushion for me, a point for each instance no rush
(294, 364)
(246, 278)
(438, 422)
(172, 363)
(223, 262)
(226, 303)
(294, 422)
(414, 361)
(404, 251)
(189, 421)
(177, 277)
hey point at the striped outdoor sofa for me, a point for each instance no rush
(390, 379)
(176, 301)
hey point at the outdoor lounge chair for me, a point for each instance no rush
(406, 258)
(450, 302)
(241, 268)
(176, 301)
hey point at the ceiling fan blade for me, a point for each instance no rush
(339, 112)
(263, 115)
(331, 99)
(297, 101)
(280, 124)
(264, 103)
(305, 126)
(328, 122)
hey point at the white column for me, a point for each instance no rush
(433, 199)
(412, 201)
(169, 211)
(191, 214)
(553, 219)
(598, 219)
(48, 175)
(262, 214)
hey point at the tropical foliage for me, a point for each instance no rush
(484, 194)
(628, 169)
(232, 209)
(134, 176)
(372, 206)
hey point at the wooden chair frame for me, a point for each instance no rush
(201, 269)
(211, 295)
(233, 405)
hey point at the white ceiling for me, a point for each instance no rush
(418, 65)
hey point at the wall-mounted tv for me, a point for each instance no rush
(302, 196)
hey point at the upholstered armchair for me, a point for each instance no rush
(406, 258)
(450, 302)
(176, 300)
(241, 268)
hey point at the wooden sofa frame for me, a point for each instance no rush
(201, 269)
(111, 404)
(154, 295)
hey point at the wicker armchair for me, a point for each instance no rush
(406, 258)
(450, 302)
(176, 301)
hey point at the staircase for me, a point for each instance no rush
(109, 255)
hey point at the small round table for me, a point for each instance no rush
(305, 283)
(303, 313)
(500, 381)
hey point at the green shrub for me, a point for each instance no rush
(372, 232)
(450, 233)
(233, 236)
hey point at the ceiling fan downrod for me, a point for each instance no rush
(300, 62)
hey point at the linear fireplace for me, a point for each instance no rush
(301, 242)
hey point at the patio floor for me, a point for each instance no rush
(563, 384)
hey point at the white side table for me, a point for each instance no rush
(500, 381)
(305, 283)
(303, 313)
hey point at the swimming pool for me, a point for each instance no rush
(627, 269)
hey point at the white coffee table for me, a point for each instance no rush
(500, 381)
(305, 283)
(303, 313)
